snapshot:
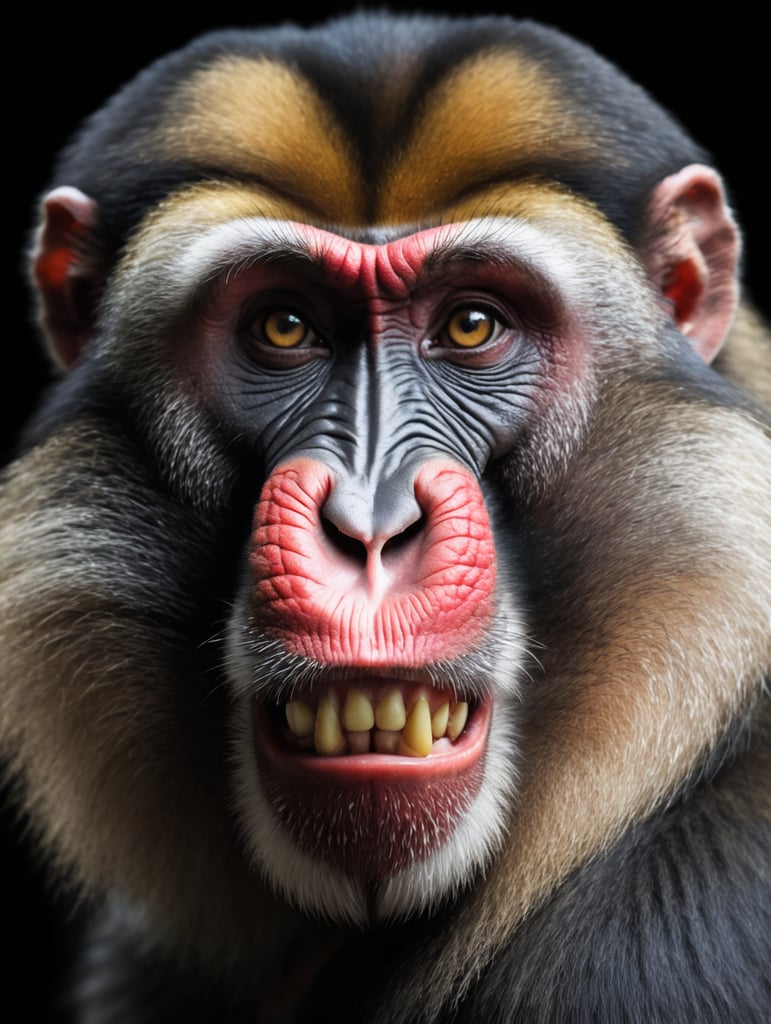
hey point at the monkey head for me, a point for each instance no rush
(338, 576)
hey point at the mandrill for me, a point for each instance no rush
(385, 582)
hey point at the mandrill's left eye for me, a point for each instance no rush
(283, 328)
(469, 327)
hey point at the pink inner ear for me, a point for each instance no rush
(51, 268)
(694, 254)
(56, 247)
(684, 289)
(60, 270)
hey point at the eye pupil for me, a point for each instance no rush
(470, 327)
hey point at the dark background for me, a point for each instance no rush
(709, 71)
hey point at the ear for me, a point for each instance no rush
(693, 255)
(66, 271)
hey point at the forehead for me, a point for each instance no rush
(494, 115)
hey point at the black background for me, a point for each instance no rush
(708, 70)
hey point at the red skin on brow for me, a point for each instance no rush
(433, 602)
(378, 271)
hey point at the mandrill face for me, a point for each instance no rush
(384, 584)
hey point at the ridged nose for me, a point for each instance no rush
(344, 577)
(367, 519)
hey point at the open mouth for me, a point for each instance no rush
(388, 718)
(368, 729)
(370, 774)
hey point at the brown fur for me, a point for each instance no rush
(663, 662)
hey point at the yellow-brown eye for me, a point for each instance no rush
(285, 329)
(470, 327)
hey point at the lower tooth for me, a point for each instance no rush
(358, 742)
(386, 742)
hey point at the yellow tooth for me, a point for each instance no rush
(327, 735)
(385, 742)
(439, 721)
(458, 716)
(358, 715)
(417, 738)
(391, 713)
(299, 718)
(358, 742)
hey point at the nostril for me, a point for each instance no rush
(349, 546)
(400, 540)
(356, 550)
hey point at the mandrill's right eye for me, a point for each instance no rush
(281, 337)
(283, 328)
